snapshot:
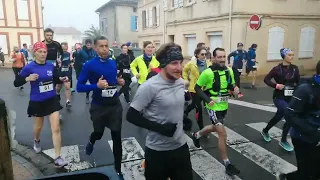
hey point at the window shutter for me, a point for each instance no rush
(150, 17)
(133, 23)
(23, 13)
(276, 40)
(136, 23)
(158, 14)
(147, 18)
(175, 3)
(165, 5)
(180, 3)
(307, 41)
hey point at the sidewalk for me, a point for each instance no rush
(29, 165)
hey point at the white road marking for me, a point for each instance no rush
(132, 152)
(252, 105)
(72, 156)
(206, 166)
(262, 157)
(274, 132)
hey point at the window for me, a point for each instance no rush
(4, 44)
(1, 10)
(307, 41)
(165, 5)
(180, 3)
(144, 19)
(191, 43)
(150, 17)
(154, 16)
(215, 39)
(134, 23)
(276, 39)
(23, 13)
(25, 39)
(174, 3)
(134, 9)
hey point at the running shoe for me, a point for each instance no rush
(240, 95)
(196, 141)
(120, 175)
(59, 162)
(68, 104)
(36, 146)
(286, 146)
(231, 170)
(281, 177)
(265, 136)
(87, 100)
(89, 148)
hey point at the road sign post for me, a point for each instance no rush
(255, 22)
(6, 171)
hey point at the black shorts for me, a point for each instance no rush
(44, 108)
(175, 164)
(106, 116)
(217, 117)
(249, 69)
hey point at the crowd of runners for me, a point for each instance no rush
(159, 104)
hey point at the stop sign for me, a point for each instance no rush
(255, 22)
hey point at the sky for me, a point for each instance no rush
(77, 13)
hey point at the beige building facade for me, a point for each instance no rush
(223, 23)
(119, 21)
(20, 22)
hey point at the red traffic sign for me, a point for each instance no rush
(255, 22)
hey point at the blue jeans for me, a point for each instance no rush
(281, 106)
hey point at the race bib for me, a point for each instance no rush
(108, 92)
(46, 88)
(253, 60)
(126, 71)
(288, 91)
(222, 99)
(240, 70)
(54, 63)
(64, 69)
(254, 66)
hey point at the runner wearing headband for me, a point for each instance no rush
(286, 76)
(43, 76)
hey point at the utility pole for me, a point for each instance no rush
(6, 172)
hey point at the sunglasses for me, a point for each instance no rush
(203, 54)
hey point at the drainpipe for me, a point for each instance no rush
(230, 23)
(164, 27)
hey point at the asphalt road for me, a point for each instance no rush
(256, 159)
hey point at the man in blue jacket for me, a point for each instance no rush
(239, 57)
(251, 65)
(303, 114)
(85, 54)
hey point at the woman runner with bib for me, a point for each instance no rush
(286, 77)
(43, 76)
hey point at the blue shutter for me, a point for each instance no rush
(133, 24)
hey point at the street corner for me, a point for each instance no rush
(34, 164)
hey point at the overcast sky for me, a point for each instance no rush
(77, 13)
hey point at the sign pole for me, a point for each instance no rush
(6, 172)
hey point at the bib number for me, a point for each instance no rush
(108, 92)
(240, 70)
(46, 88)
(254, 66)
(288, 92)
(126, 70)
(64, 69)
(222, 99)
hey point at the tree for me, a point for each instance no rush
(92, 33)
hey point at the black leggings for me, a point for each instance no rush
(237, 75)
(117, 146)
(16, 71)
(196, 103)
(174, 164)
(308, 158)
(125, 89)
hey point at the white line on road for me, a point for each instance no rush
(252, 105)
(274, 132)
(207, 167)
(132, 152)
(72, 156)
(262, 157)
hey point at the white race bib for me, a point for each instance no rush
(254, 66)
(239, 70)
(126, 70)
(46, 88)
(288, 92)
(64, 69)
(54, 63)
(222, 99)
(108, 92)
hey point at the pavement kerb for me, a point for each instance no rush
(38, 164)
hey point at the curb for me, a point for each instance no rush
(39, 164)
